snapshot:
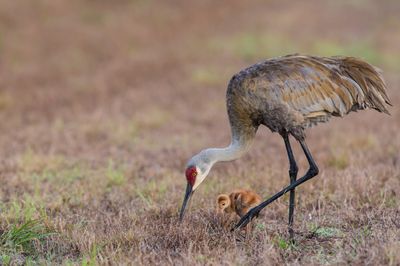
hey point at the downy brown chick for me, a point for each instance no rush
(239, 201)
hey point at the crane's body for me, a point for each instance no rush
(294, 92)
(289, 94)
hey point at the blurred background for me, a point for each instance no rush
(102, 102)
(69, 68)
(68, 65)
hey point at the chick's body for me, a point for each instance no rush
(239, 201)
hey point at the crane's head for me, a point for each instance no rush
(196, 171)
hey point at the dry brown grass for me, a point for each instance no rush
(102, 103)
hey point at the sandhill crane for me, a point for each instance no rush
(239, 201)
(289, 94)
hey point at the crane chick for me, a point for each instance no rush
(239, 201)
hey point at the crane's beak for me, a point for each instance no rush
(188, 194)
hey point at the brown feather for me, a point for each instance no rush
(239, 201)
(243, 200)
(293, 92)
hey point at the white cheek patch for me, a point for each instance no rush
(198, 181)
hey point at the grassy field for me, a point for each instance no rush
(102, 103)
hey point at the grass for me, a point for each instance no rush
(22, 209)
(360, 48)
(22, 239)
(102, 105)
(257, 46)
(338, 161)
(115, 176)
(205, 76)
(283, 243)
(327, 232)
(5, 99)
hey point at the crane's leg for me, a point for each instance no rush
(312, 171)
(293, 169)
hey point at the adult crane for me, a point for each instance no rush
(289, 94)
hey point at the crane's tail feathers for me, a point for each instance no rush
(369, 83)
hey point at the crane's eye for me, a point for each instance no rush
(191, 173)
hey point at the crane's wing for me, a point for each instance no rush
(319, 87)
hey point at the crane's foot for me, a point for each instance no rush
(247, 218)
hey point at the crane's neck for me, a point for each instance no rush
(234, 151)
(204, 161)
(242, 138)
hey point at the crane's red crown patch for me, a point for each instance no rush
(191, 173)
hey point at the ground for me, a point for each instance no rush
(102, 103)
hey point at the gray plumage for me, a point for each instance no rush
(293, 92)
(288, 94)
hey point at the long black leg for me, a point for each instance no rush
(293, 169)
(312, 171)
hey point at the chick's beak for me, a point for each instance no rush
(188, 194)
